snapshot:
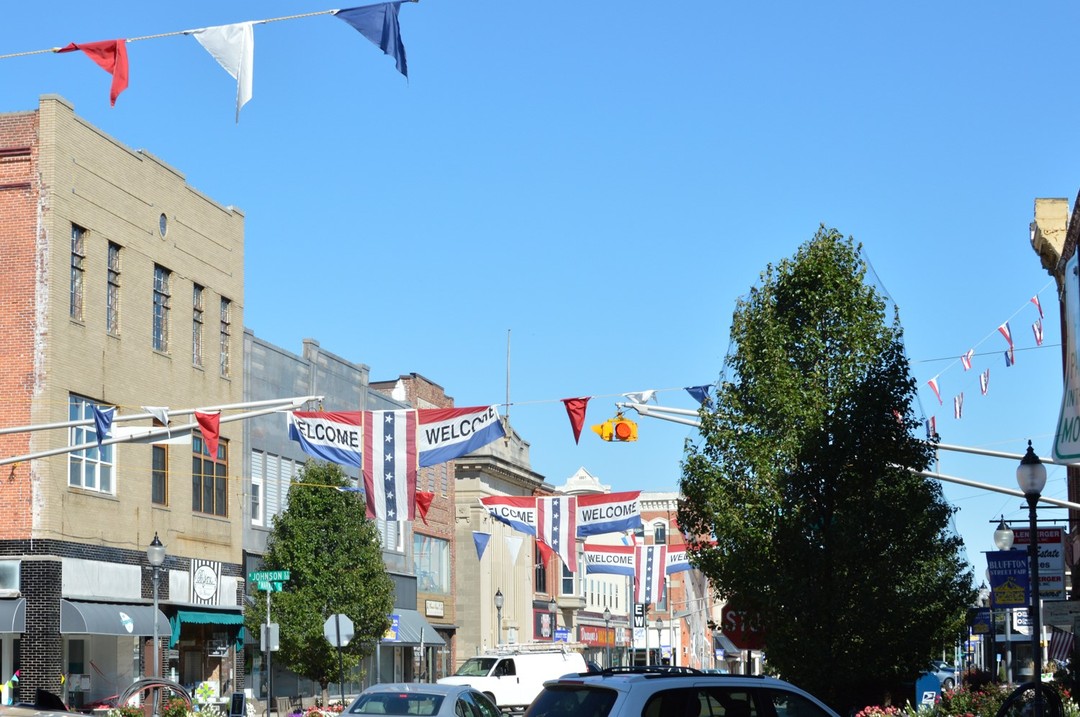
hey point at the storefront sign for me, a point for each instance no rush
(434, 608)
(1051, 559)
(205, 576)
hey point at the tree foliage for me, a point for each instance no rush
(334, 557)
(806, 480)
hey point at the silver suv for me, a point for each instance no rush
(672, 692)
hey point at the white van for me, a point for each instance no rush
(513, 679)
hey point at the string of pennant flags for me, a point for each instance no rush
(967, 362)
(233, 45)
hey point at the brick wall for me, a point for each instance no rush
(18, 281)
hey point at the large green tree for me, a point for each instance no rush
(804, 492)
(334, 557)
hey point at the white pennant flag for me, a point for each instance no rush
(233, 46)
(160, 413)
(513, 544)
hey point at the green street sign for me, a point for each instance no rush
(270, 586)
(264, 576)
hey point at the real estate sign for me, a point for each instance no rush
(1051, 545)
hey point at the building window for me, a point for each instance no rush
(539, 570)
(112, 291)
(78, 261)
(393, 535)
(256, 502)
(88, 468)
(567, 580)
(197, 326)
(226, 335)
(431, 557)
(659, 534)
(209, 477)
(159, 475)
(161, 307)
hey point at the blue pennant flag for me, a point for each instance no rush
(379, 23)
(700, 394)
(481, 542)
(103, 419)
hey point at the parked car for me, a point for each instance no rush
(945, 673)
(513, 678)
(658, 692)
(421, 698)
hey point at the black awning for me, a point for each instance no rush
(78, 617)
(13, 615)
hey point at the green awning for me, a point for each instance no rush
(206, 617)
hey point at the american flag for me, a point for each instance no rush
(1061, 645)
(966, 359)
(390, 462)
(557, 527)
(650, 562)
(1037, 329)
(984, 381)
(1007, 333)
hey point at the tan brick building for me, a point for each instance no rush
(120, 286)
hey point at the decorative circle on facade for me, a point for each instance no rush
(205, 582)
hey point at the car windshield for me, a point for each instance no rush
(476, 667)
(397, 703)
(572, 701)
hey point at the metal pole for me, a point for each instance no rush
(269, 673)
(1036, 622)
(608, 639)
(341, 660)
(1007, 652)
(648, 658)
(157, 665)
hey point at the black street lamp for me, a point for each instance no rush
(1003, 540)
(1031, 477)
(498, 612)
(552, 608)
(155, 555)
(607, 635)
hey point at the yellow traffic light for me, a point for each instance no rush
(616, 429)
(625, 430)
(605, 430)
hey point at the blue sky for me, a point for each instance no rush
(603, 181)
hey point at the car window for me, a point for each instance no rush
(482, 705)
(476, 667)
(506, 667)
(679, 702)
(392, 703)
(712, 701)
(573, 701)
(789, 704)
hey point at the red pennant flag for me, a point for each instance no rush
(209, 424)
(1038, 330)
(575, 408)
(423, 502)
(934, 385)
(1035, 300)
(111, 56)
(965, 360)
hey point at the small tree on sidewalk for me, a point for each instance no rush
(334, 558)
